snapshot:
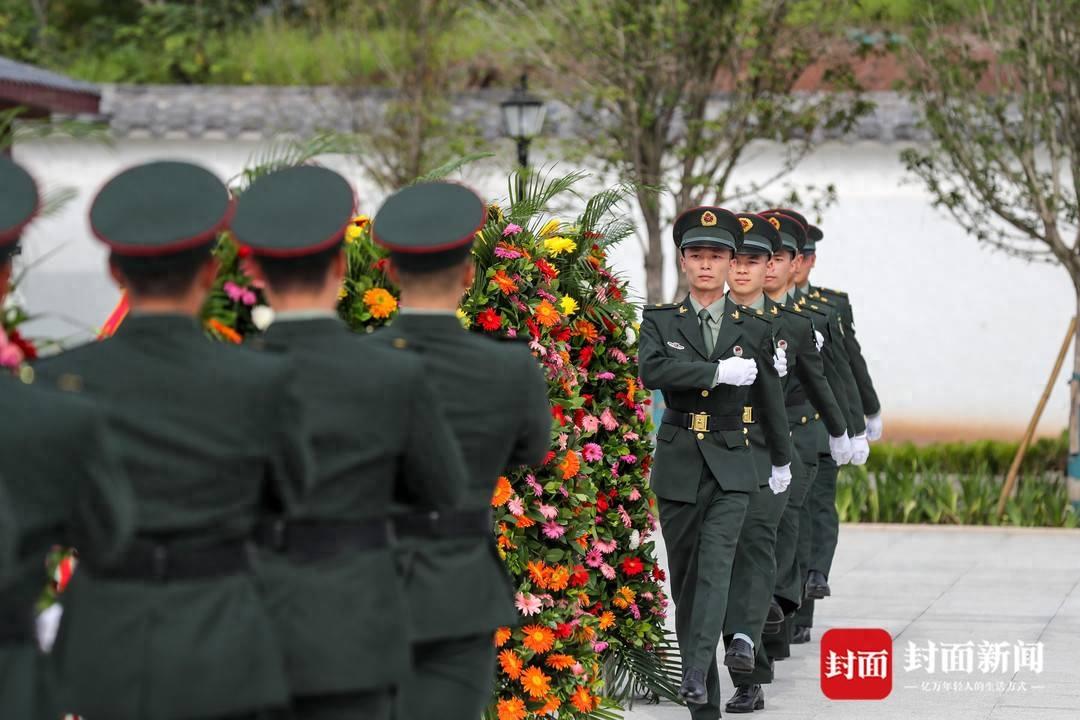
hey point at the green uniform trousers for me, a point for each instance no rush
(701, 537)
(374, 705)
(451, 680)
(824, 530)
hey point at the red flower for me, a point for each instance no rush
(601, 503)
(549, 457)
(579, 415)
(585, 357)
(28, 350)
(547, 270)
(561, 335)
(580, 576)
(381, 265)
(557, 413)
(243, 252)
(489, 319)
(564, 630)
(658, 574)
(633, 566)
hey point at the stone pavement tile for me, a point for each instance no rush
(1028, 604)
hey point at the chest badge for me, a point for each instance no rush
(675, 345)
(782, 344)
(737, 351)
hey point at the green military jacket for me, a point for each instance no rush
(870, 402)
(495, 396)
(209, 435)
(672, 357)
(837, 365)
(379, 440)
(60, 480)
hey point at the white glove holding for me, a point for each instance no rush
(780, 478)
(873, 427)
(780, 361)
(860, 449)
(819, 340)
(840, 449)
(735, 371)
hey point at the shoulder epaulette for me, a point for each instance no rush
(830, 291)
(759, 314)
(662, 306)
(794, 310)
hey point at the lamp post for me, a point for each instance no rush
(523, 118)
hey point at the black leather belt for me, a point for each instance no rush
(151, 561)
(16, 626)
(308, 541)
(703, 422)
(445, 525)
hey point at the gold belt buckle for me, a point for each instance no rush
(699, 422)
(748, 414)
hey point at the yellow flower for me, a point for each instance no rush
(464, 318)
(569, 305)
(550, 228)
(352, 234)
(342, 293)
(380, 303)
(557, 245)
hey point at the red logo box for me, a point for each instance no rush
(856, 664)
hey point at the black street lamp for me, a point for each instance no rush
(523, 118)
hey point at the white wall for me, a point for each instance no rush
(956, 336)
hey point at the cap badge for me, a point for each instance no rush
(737, 351)
(774, 222)
(747, 224)
(708, 219)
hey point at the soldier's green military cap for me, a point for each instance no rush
(294, 212)
(160, 208)
(813, 237)
(792, 232)
(760, 236)
(707, 226)
(19, 203)
(429, 226)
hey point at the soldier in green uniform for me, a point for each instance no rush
(710, 359)
(210, 435)
(458, 589)
(58, 478)
(820, 514)
(754, 574)
(379, 440)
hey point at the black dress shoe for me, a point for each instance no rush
(774, 621)
(739, 656)
(800, 635)
(747, 698)
(817, 585)
(693, 687)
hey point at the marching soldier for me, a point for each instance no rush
(379, 438)
(458, 589)
(710, 359)
(58, 478)
(210, 435)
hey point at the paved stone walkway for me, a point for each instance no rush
(943, 585)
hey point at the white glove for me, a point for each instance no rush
(873, 427)
(819, 340)
(735, 371)
(780, 478)
(860, 449)
(780, 361)
(840, 449)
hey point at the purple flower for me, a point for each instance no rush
(635, 611)
(592, 452)
(599, 646)
(553, 530)
(511, 229)
(248, 297)
(506, 253)
(605, 375)
(629, 459)
(547, 296)
(234, 291)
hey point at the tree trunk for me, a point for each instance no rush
(654, 255)
(1073, 482)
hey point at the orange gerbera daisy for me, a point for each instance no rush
(583, 541)
(504, 282)
(524, 521)
(535, 682)
(503, 491)
(502, 635)
(511, 664)
(607, 619)
(546, 314)
(380, 303)
(552, 704)
(586, 330)
(539, 572)
(624, 596)
(560, 578)
(560, 661)
(570, 464)
(226, 332)
(512, 709)
(631, 390)
(583, 700)
(538, 638)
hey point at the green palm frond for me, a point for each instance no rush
(603, 203)
(633, 671)
(608, 710)
(452, 166)
(53, 200)
(540, 189)
(289, 152)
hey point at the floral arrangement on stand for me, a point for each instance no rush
(15, 349)
(576, 532)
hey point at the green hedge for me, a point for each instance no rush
(957, 484)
